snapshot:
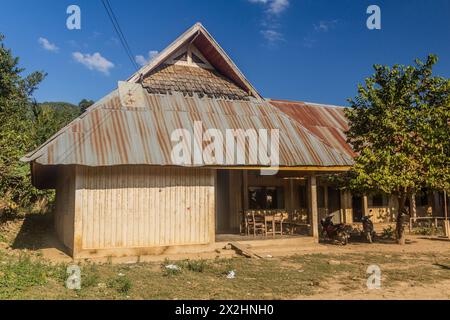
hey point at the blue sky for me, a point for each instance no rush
(308, 50)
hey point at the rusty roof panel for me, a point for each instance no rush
(110, 133)
(329, 123)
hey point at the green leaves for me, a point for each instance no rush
(400, 128)
(24, 125)
(84, 104)
(50, 117)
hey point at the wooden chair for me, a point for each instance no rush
(279, 219)
(258, 223)
(248, 221)
(254, 222)
(269, 221)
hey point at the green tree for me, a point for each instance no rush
(400, 128)
(50, 117)
(16, 119)
(84, 104)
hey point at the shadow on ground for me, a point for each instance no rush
(360, 240)
(36, 233)
(436, 239)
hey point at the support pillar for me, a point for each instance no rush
(365, 205)
(346, 207)
(313, 210)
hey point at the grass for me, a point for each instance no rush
(121, 284)
(25, 271)
(27, 276)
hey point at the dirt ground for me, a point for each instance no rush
(403, 291)
(32, 266)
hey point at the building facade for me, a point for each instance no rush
(119, 191)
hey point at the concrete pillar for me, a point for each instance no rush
(342, 202)
(346, 206)
(313, 210)
(365, 205)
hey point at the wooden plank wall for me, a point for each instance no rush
(142, 206)
(65, 206)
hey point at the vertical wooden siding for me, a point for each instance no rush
(65, 206)
(141, 206)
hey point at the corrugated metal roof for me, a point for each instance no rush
(326, 122)
(138, 132)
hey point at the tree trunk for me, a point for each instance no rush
(400, 229)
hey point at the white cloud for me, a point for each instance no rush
(274, 6)
(272, 36)
(278, 6)
(325, 26)
(94, 61)
(141, 60)
(47, 45)
(273, 9)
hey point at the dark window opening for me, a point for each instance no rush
(422, 199)
(320, 197)
(266, 198)
(303, 198)
(377, 200)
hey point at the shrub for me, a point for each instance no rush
(388, 233)
(89, 276)
(195, 265)
(426, 231)
(120, 284)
